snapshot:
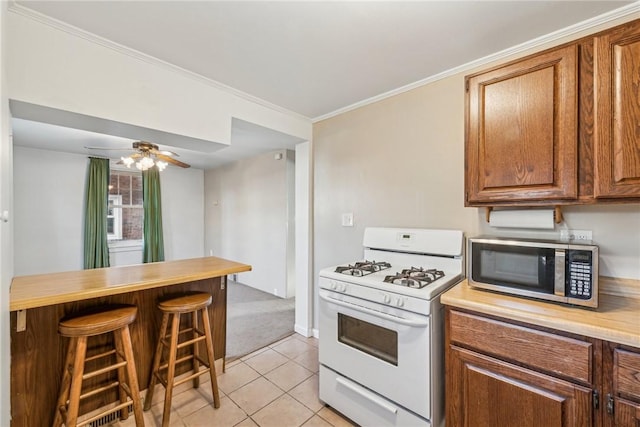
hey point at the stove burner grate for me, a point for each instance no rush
(415, 277)
(363, 268)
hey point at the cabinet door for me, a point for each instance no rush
(626, 414)
(486, 392)
(521, 131)
(617, 143)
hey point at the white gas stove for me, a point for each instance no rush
(381, 327)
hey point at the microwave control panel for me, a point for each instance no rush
(580, 278)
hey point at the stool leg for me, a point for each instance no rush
(132, 376)
(212, 360)
(117, 341)
(76, 382)
(171, 369)
(196, 346)
(156, 363)
(66, 382)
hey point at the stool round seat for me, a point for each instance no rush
(198, 334)
(186, 304)
(97, 323)
(79, 328)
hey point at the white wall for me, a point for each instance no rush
(183, 212)
(49, 201)
(49, 191)
(400, 162)
(6, 228)
(246, 216)
(53, 65)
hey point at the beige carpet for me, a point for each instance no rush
(255, 319)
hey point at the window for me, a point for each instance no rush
(125, 212)
(114, 217)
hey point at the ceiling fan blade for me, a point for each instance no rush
(109, 148)
(172, 161)
(164, 152)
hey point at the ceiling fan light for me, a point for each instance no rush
(127, 161)
(161, 165)
(145, 163)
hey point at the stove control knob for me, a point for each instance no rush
(342, 287)
(399, 302)
(333, 285)
(386, 299)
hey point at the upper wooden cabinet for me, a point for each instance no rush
(617, 92)
(521, 142)
(558, 127)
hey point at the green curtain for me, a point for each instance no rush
(96, 251)
(153, 248)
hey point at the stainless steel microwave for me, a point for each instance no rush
(553, 271)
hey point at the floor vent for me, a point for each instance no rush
(109, 418)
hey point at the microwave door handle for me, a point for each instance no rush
(559, 279)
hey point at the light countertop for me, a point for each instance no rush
(616, 319)
(57, 288)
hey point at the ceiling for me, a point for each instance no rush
(314, 58)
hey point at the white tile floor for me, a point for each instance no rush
(274, 386)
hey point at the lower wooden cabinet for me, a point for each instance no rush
(622, 392)
(626, 414)
(501, 373)
(490, 392)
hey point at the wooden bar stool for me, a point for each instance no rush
(193, 304)
(79, 329)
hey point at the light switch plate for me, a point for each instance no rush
(347, 220)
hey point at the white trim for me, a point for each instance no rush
(125, 245)
(547, 38)
(94, 38)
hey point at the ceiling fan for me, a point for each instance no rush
(146, 155)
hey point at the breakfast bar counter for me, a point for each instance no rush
(57, 288)
(38, 302)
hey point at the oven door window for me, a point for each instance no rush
(375, 340)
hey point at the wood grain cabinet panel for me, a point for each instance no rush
(540, 350)
(627, 414)
(495, 393)
(557, 127)
(521, 133)
(617, 143)
(627, 373)
(622, 364)
(499, 374)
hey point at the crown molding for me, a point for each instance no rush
(124, 50)
(625, 11)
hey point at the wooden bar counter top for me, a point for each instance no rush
(56, 288)
(38, 302)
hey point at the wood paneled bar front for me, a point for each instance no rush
(38, 302)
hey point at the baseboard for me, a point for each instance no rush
(305, 332)
(316, 333)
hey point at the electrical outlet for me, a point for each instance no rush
(576, 235)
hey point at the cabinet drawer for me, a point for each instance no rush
(542, 350)
(627, 373)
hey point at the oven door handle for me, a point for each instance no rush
(395, 319)
(367, 395)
